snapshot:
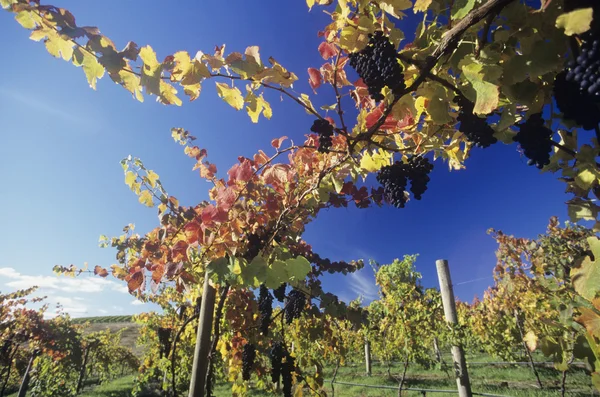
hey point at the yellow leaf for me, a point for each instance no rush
(256, 106)
(585, 179)
(374, 162)
(27, 19)
(131, 82)
(310, 4)
(576, 22)
(168, 94)
(152, 177)
(531, 340)
(91, 67)
(130, 178)
(55, 44)
(189, 73)
(146, 198)
(151, 72)
(231, 95)
(305, 99)
(393, 7)
(421, 5)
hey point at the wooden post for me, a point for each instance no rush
(458, 355)
(368, 357)
(26, 377)
(203, 338)
(436, 349)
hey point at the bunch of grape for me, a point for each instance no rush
(378, 66)
(265, 307)
(394, 179)
(325, 131)
(256, 243)
(536, 140)
(295, 304)
(248, 357)
(474, 127)
(276, 356)
(164, 338)
(577, 88)
(279, 292)
(287, 369)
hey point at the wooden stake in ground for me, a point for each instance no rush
(27, 376)
(458, 355)
(368, 356)
(202, 350)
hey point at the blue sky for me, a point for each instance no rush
(61, 143)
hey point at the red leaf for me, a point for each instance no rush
(100, 271)
(193, 232)
(211, 214)
(240, 172)
(327, 50)
(314, 78)
(226, 197)
(208, 170)
(136, 280)
(276, 143)
(179, 251)
(374, 116)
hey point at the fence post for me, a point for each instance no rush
(27, 376)
(202, 349)
(458, 355)
(368, 356)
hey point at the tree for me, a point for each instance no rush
(474, 75)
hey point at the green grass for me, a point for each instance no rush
(118, 388)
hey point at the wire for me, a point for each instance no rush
(472, 281)
(412, 389)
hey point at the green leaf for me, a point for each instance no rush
(298, 268)
(585, 179)
(586, 277)
(218, 267)
(372, 162)
(146, 198)
(393, 7)
(487, 93)
(231, 95)
(579, 208)
(91, 67)
(421, 5)
(461, 8)
(276, 274)
(596, 380)
(576, 22)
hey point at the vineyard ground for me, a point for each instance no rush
(500, 380)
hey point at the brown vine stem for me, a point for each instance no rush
(484, 36)
(173, 350)
(338, 97)
(448, 43)
(430, 75)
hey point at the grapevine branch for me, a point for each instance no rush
(177, 336)
(216, 334)
(447, 45)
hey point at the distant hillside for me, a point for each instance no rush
(115, 323)
(104, 319)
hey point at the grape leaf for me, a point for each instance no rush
(394, 7)
(55, 44)
(309, 3)
(586, 277)
(421, 5)
(276, 274)
(100, 271)
(297, 268)
(151, 71)
(575, 22)
(135, 282)
(91, 67)
(461, 8)
(374, 162)
(146, 198)
(487, 93)
(531, 340)
(218, 267)
(590, 320)
(257, 105)
(130, 178)
(26, 19)
(231, 95)
(152, 178)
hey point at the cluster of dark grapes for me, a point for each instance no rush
(536, 140)
(248, 357)
(295, 305)
(265, 308)
(394, 179)
(279, 292)
(282, 366)
(164, 338)
(378, 66)
(577, 88)
(256, 243)
(476, 129)
(325, 131)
